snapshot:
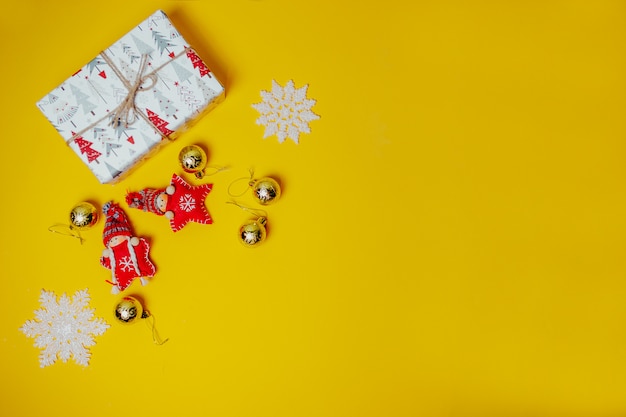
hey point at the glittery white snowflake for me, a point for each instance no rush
(187, 203)
(285, 112)
(64, 328)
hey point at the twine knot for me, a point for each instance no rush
(126, 113)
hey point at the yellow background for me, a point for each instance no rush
(450, 241)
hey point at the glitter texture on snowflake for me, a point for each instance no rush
(64, 328)
(285, 111)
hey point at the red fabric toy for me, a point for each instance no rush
(127, 256)
(180, 202)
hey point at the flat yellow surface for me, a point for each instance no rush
(450, 240)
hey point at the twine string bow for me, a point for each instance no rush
(126, 113)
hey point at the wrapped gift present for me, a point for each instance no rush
(133, 97)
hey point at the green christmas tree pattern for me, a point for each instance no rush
(149, 141)
(82, 99)
(110, 148)
(51, 98)
(130, 53)
(182, 73)
(93, 64)
(142, 47)
(113, 171)
(161, 41)
(98, 133)
(188, 96)
(207, 92)
(65, 112)
(166, 105)
(120, 129)
(129, 73)
(105, 141)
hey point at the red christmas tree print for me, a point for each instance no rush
(85, 148)
(197, 63)
(159, 123)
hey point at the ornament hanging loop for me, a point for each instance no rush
(66, 230)
(151, 322)
(250, 183)
(128, 310)
(82, 217)
(261, 214)
(193, 159)
(217, 169)
(265, 191)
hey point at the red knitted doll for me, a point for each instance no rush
(127, 256)
(180, 202)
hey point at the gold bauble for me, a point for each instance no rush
(253, 233)
(265, 190)
(83, 216)
(193, 159)
(128, 310)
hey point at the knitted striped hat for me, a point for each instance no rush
(117, 223)
(145, 200)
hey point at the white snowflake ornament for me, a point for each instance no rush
(64, 327)
(285, 111)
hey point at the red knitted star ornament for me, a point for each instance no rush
(187, 203)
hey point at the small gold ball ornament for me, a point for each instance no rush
(253, 232)
(83, 216)
(128, 310)
(193, 160)
(266, 190)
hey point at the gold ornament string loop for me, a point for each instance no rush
(152, 324)
(257, 212)
(66, 230)
(248, 179)
(217, 169)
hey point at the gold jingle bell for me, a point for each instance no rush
(265, 190)
(128, 310)
(253, 232)
(83, 216)
(193, 160)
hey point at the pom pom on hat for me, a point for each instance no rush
(117, 223)
(145, 200)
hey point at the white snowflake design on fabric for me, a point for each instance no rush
(187, 203)
(126, 264)
(64, 328)
(285, 112)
